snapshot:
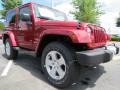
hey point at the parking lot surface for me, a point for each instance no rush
(25, 74)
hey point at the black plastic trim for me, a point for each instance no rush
(94, 57)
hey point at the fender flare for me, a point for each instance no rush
(66, 33)
(11, 36)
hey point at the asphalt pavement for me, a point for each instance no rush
(25, 74)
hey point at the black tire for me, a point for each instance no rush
(69, 58)
(13, 53)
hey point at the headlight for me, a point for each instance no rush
(88, 30)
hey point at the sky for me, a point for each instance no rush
(112, 12)
(108, 20)
(44, 2)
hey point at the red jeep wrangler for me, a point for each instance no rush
(60, 44)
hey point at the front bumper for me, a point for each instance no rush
(97, 56)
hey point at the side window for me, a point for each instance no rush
(10, 18)
(24, 14)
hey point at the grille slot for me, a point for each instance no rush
(98, 33)
(99, 36)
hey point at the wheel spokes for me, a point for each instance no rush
(55, 65)
(53, 55)
(60, 72)
(53, 72)
(7, 48)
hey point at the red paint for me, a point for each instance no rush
(12, 38)
(0, 36)
(30, 37)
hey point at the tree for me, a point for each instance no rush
(2, 26)
(9, 4)
(118, 22)
(87, 10)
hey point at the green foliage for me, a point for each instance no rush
(9, 4)
(87, 10)
(118, 22)
(2, 26)
(115, 38)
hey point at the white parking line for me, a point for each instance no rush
(7, 68)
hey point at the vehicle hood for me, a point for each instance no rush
(58, 23)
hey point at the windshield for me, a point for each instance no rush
(49, 13)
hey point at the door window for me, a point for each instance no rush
(11, 17)
(25, 12)
(24, 18)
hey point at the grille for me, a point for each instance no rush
(99, 35)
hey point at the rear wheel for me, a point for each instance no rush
(9, 50)
(57, 64)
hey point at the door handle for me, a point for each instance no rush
(29, 23)
(17, 27)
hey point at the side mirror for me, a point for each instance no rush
(25, 17)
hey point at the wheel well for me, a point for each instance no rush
(51, 38)
(5, 37)
(61, 38)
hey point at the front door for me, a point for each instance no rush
(25, 30)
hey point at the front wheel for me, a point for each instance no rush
(57, 64)
(9, 51)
